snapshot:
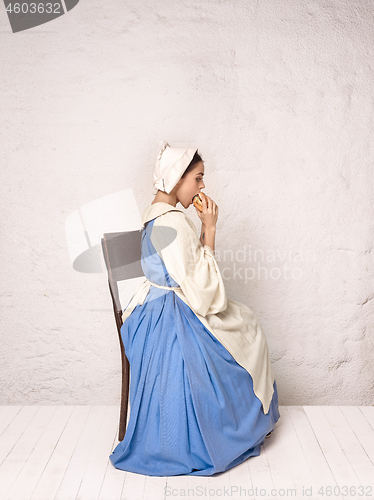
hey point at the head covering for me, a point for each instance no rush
(170, 165)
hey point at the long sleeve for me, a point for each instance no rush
(192, 265)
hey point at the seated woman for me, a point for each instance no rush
(202, 391)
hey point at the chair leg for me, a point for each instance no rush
(125, 369)
(124, 394)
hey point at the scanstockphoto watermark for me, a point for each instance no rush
(229, 491)
(249, 263)
(305, 491)
(27, 14)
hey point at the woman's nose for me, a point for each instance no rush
(203, 185)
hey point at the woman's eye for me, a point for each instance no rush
(200, 179)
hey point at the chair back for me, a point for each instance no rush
(122, 256)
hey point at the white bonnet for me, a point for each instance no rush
(170, 165)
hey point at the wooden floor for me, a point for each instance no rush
(62, 453)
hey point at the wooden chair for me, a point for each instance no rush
(122, 255)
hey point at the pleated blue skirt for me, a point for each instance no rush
(193, 410)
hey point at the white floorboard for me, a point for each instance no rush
(78, 463)
(33, 468)
(55, 469)
(62, 453)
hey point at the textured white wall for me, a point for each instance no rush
(278, 95)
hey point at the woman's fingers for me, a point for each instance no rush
(205, 201)
(211, 203)
(208, 204)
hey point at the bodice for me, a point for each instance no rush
(153, 266)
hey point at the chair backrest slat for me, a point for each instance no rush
(122, 255)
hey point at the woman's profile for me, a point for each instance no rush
(203, 396)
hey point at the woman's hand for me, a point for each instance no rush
(209, 215)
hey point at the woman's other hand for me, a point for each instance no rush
(209, 215)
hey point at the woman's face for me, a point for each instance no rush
(190, 185)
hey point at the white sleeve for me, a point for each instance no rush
(192, 265)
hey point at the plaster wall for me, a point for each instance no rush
(279, 98)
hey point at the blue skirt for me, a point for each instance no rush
(193, 410)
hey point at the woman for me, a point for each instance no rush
(202, 390)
